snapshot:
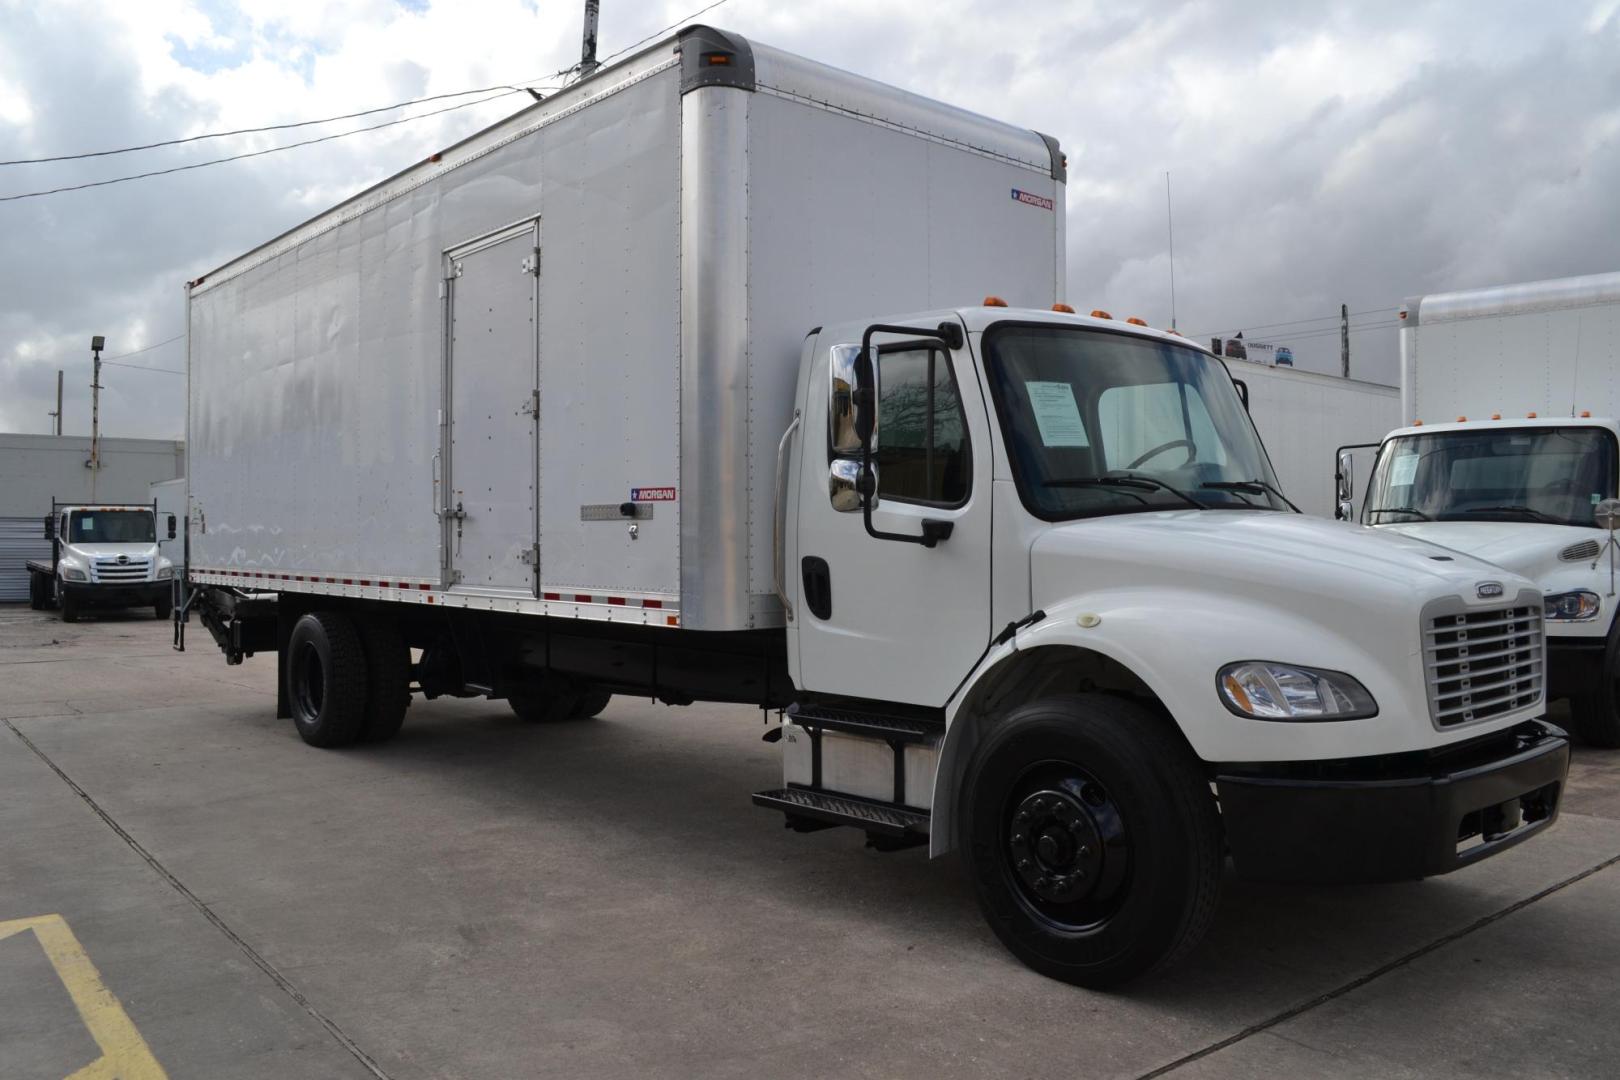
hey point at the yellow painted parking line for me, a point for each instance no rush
(124, 1054)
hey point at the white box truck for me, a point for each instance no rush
(1510, 451)
(677, 384)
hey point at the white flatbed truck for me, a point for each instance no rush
(103, 556)
(665, 386)
(1510, 452)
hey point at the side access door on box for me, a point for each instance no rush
(487, 497)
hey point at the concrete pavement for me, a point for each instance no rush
(484, 898)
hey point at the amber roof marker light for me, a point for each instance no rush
(994, 301)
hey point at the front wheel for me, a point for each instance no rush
(1596, 710)
(163, 607)
(66, 605)
(1092, 839)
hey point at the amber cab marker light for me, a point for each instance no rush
(1063, 309)
(1529, 416)
(1099, 313)
(1496, 416)
(994, 301)
(1586, 414)
(1462, 419)
(1134, 321)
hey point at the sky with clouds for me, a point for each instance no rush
(1319, 153)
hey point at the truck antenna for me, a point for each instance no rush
(1170, 227)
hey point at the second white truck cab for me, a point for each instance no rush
(102, 556)
(1510, 453)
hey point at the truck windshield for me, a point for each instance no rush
(1552, 475)
(1106, 423)
(113, 527)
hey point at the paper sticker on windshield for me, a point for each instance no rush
(1056, 414)
(1403, 470)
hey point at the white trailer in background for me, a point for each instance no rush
(1511, 453)
(678, 384)
(1304, 416)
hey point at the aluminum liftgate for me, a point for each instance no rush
(492, 405)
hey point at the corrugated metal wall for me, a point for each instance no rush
(21, 539)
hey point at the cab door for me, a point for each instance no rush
(884, 616)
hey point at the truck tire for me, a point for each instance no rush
(1596, 710)
(591, 703)
(67, 607)
(1092, 839)
(36, 592)
(163, 608)
(326, 679)
(388, 678)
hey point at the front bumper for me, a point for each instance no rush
(1393, 818)
(123, 594)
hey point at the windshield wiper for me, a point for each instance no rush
(1401, 510)
(1527, 511)
(1250, 487)
(1146, 483)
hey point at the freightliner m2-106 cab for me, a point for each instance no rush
(1512, 454)
(664, 387)
(102, 556)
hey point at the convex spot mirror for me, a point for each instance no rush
(844, 484)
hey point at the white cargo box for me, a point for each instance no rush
(546, 370)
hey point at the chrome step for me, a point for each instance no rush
(884, 819)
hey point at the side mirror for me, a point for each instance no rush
(171, 527)
(844, 484)
(1243, 392)
(50, 526)
(1344, 478)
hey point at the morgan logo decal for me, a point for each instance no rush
(652, 494)
(1488, 589)
(1029, 199)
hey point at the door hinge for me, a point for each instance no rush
(531, 556)
(454, 271)
(531, 407)
(531, 265)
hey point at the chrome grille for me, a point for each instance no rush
(1484, 663)
(110, 569)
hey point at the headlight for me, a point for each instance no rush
(1262, 690)
(165, 572)
(1574, 606)
(70, 574)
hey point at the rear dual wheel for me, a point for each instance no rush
(1092, 839)
(347, 680)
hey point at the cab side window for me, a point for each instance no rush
(922, 454)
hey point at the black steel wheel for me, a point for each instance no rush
(1596, 711)
(163, 608)
(591, 703)
(546, 706)
(1092, 839)
(66, 605)
(326, 679)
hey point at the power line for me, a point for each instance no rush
(149, 348)
(141, 367)
(256, 153)
(1298, 322)
(273, 127)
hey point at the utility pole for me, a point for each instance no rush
(587, 49)
(1170, 225)
(96, 344)
(57, 415)
(1344, 340)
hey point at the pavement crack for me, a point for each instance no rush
(208, 913)
(1376, 973)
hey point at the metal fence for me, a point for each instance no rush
(21, 539)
